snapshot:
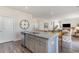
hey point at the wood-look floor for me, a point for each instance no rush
(12, 47)
(15, 47)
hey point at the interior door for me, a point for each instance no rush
(1, 29)
(6, 29)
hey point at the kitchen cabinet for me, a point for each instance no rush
(36, 44)
(39, 43)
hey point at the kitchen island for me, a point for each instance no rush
(42, 42)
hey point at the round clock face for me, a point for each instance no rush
(24, 24)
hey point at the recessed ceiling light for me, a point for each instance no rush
(26, 7)
(52, 13)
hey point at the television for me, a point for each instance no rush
(66, 25)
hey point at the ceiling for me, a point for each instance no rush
(47, 11)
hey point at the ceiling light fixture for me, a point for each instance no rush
(26, 7)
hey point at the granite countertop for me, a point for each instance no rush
(41, 34)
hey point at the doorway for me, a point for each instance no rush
(6, 28)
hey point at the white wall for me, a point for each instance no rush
(17, 16)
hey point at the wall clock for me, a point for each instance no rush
(24, 24)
